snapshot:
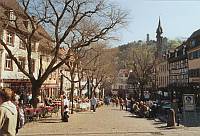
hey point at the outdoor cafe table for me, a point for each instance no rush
(57, 103)
(32, 112)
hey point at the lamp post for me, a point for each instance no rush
(88, 87)
(61, 93)
(139, 91)
(1, 53)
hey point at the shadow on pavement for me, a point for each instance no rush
(84, 112)
(100, 133)
(116, 109)
(191, 124)
(132, 116)
(166, 127)
(158, 123)
(50, 120)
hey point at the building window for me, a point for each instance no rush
(33, 65)
(8, 63)
(12, 16)
(10, 38)
(194, 72)
(120, 86)
(22, 61)
(22, 45)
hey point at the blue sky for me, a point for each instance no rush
(179, 18)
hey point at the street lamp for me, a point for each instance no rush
(88, 87)
(139, 91)
(1, 53)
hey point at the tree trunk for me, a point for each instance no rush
(72, 96)
(94, 92)
(80, 88)
(142, 93)
(35, 93)
(80, 93)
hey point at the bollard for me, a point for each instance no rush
(171, 118)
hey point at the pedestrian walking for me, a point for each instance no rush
(8, 113)
(93, 103)
(21, 115)
(113, 101)
(116, 101)
(121, 102)
(126, 103)
(131, 104)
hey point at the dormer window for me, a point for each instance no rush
(12, 16)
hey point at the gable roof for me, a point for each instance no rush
(41, 34)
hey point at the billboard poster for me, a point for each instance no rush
(189, 102)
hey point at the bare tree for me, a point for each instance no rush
(141, 61)
(76, 74)
(73, 24)
(101, 67)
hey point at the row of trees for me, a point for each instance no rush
(95, 64)
(73, 24)
(140, 60)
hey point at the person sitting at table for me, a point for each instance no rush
(65, 113)
(47, 102)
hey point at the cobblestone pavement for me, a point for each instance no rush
(107, 121)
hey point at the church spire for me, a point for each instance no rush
(159, 30)
(159, 41)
